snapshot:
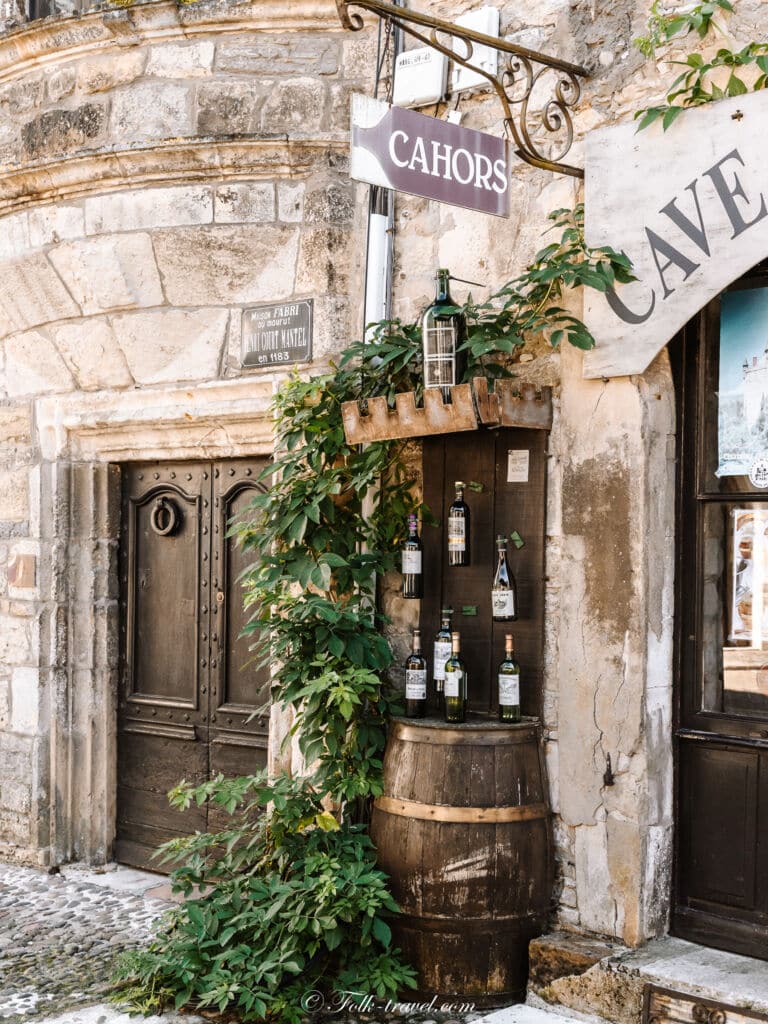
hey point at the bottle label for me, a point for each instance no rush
(442, 654)
(509, 690)
(411, 563)
(503, 603)
(416, 684)
(452, 684)
(457, 533)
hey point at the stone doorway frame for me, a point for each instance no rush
(83, 439)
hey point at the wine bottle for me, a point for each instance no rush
(416, 680)
(504, 589)
(443, 332)
(458, 529)
(509, 684)
(455, 683)
(411, 563)
(442, 653)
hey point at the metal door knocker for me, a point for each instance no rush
(166, 517)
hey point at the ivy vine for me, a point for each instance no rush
(292, 900)
(664, 25)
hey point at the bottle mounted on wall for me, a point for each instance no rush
(443, 332)
(416, 680)
(455, 683)
(509, 684)
(411, 560)
(458, 529)
(504, 589)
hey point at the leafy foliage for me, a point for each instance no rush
(291, 900)
(696, 85)
(662, 26)
(275, 906)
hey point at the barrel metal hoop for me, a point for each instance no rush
(456, 737)
(468, 815)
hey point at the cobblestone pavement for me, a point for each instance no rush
(59, 937)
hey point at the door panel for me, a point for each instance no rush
(721, 848)
(187, 692)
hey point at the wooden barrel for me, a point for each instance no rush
(463, 830)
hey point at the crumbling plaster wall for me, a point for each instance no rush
(161, 167)
(610, 537)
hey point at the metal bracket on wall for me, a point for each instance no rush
(538, 93)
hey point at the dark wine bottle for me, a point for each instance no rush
(411, 563)
(504, 589)
(509, 684)
(443, 332)
(416, 680)
(442, 652)
(458, 529)
(455, 683)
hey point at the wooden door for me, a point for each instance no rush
(191, 704)
(721, 856)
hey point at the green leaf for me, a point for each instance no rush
(382, 931)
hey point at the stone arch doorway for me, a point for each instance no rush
(720, 890)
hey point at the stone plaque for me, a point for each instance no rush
(277, 335)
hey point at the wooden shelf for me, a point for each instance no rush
(472, 406)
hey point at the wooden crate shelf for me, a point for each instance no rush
(471, 406)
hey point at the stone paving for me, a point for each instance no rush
(61, 933)
(59, 936)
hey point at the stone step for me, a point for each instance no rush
(612, 987)
(524, 1013)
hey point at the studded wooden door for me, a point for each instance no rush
(188, 688)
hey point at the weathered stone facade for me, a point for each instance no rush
(163, 166)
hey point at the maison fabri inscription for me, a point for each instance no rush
(277, 335)
(690, 209)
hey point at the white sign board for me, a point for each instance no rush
(689, 207)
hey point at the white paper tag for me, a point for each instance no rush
(518, 465)
(452, 680)
(758, 474)
(503, 603)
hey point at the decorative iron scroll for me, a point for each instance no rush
(538, 93)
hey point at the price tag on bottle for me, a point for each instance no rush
(518, 466)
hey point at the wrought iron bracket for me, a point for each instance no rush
(538, 93)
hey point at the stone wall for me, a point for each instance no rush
(162, 166)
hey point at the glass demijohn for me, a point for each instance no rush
(443, 332)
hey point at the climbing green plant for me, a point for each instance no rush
(702, 81)
(663, 26)
(287, 899)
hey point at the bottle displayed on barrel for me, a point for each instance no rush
(444, 330)
(416, 680)
(455, 683)
(411, 560)
(442, 652)
(509, 684)
(458, 529)
(504, 589)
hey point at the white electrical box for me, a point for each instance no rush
(420, 77)
(485, 20)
